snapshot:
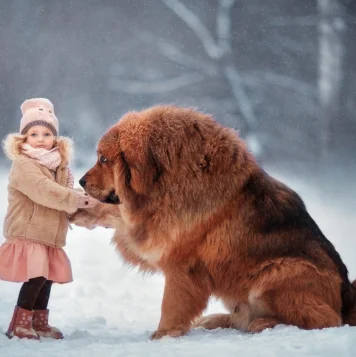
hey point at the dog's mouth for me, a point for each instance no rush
(112, 198)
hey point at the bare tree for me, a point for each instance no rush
(218, 48)
(277, 71)
(331, 53)
(243, 88)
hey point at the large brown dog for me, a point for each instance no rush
(191, 201)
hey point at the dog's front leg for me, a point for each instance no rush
(186, 295)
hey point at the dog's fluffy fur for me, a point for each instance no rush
(191, 202)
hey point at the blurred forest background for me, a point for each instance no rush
(281, 72)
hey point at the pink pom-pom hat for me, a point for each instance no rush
(38, 111)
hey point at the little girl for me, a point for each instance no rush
(40, 198)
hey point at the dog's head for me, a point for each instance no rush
(164, 156)
(126, 168)
(99, 180)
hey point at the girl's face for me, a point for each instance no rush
(39, 136)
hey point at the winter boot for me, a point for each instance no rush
(40, 325)
(21, 325)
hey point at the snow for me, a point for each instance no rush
(111, 310)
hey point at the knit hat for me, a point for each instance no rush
(38, 111)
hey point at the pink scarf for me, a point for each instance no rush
(49, 158)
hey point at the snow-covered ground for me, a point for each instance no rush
(111, 310)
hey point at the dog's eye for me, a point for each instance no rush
(103, 160)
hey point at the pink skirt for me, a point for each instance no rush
(21, 260)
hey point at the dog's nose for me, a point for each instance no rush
(83, 181)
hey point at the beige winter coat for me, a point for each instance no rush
(38, 200)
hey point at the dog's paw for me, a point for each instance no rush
(261, 324)
(82, 218)
(171, 333)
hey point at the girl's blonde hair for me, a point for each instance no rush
(12, 143)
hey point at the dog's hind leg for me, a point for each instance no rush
(213, 321)
(301, 308)
(350, 317)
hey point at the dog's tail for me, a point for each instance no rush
(349, 315)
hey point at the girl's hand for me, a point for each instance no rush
(85, 201)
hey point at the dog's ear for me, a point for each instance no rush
(146, 172)
(109, 144)
(142, 164)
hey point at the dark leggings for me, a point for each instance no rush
(34, 294)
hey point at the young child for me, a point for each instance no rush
(40, 198)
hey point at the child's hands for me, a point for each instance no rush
(85, 201)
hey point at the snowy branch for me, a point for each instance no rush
(177, 56)
(210, 46)
(171, 52)
(140, 87)
(242, 99)
(285, 44)
(331, 50)
(281, 81)
(307, 92)
(223, 23)
(310, 20)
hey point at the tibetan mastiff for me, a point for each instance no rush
(188, 199)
